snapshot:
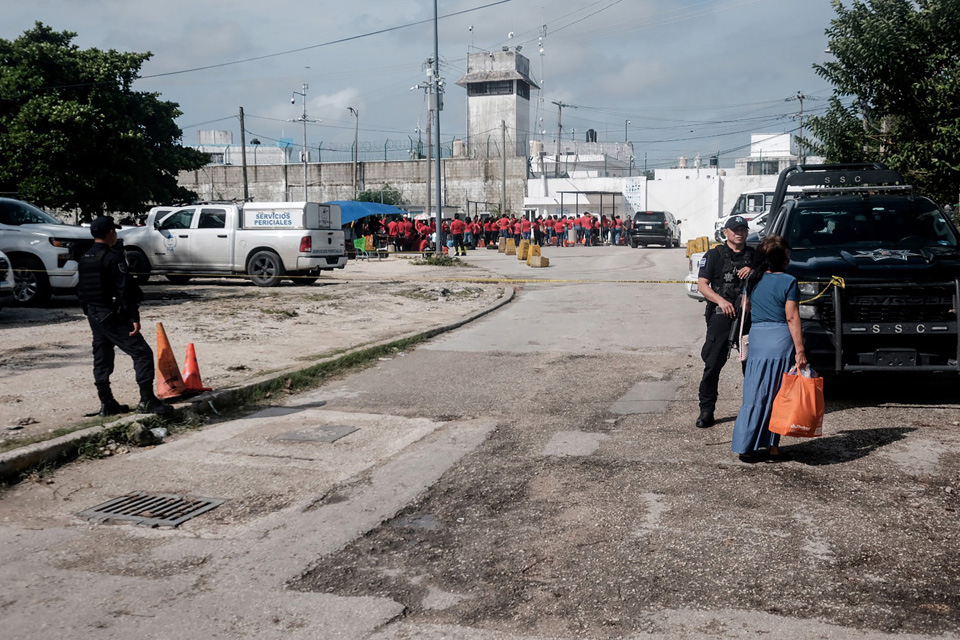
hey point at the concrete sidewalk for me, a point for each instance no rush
(290, 496)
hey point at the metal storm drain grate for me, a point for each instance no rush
(151, 510)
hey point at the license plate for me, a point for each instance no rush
(912, 328)
(648, 227)
(896, 358)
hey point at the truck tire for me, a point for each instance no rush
(178, 279)
(31, 286)
(633, 243)
(265, 269)
(139, 265)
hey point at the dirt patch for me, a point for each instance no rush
(586, 547)
(240, 332)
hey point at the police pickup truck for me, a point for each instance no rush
(267, 241)
(878, 266)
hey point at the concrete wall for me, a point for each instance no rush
(461, 180)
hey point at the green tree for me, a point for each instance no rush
(74, 135)
(896, 78)
(385, 194)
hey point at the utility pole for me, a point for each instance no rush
(356, 148)
(303, 118)
(800, 97)
(503, 153)
(243, 156)
(427, 181)
(560, 106)
(437, 102)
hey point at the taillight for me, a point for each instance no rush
(665, 224)
(306, 244)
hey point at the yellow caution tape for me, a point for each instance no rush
(835, 281)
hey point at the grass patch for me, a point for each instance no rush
(286, 313)
(320, 297)
(442, 260)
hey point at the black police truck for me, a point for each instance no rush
(878, 266)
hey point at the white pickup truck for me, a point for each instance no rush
(267, 241)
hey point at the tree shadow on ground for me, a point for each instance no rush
(845, 445)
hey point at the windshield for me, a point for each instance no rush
(649, 216)
(869, 223)
(16, 213)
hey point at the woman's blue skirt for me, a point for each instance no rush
(769, 356)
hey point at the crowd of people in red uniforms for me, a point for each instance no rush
(465, 233)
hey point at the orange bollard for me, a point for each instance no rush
(191, 371)
(169, 382)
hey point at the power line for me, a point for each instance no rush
(324, 44)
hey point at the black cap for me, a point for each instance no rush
(736, 221)
(103, 225)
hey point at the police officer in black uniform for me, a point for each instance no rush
(723, 272)
(111, 301)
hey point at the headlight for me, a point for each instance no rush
(809, 312)
(66, 243)
(809, 288)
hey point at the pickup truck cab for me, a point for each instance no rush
(267, 241)
(42, 250)
(878, 269)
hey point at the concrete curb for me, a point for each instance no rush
(59, 450)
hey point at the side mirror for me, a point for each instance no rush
(679, 221)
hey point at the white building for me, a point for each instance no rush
(219, 146)
(697, 195)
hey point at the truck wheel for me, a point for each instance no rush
(265, 269)
(178, 279)
(633, 243)
(139, 265)
(31, 286)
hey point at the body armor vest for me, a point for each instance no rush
(730, 286)
(95, 285)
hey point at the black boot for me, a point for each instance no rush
(705, 420)
(150, 403)
(108, 405)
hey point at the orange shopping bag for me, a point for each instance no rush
(798, 408)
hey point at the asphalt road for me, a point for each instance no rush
(535, 474)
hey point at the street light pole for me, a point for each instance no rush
(626, 137)
(303, 118)
(356, 148)
(436, 95)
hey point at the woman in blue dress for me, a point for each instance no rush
(776, 344)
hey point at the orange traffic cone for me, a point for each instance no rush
(191, 371)
(169, 382)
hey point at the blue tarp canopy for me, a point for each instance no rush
(351, 210)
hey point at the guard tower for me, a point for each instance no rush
(498, 87)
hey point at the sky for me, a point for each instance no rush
(691, 76)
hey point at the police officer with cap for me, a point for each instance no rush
(111, 301)
(723, 273)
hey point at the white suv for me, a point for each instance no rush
(43, 251)
(6, 280)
